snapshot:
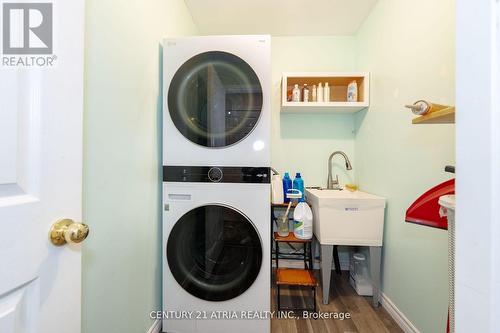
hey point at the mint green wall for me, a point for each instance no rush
(303, 142)
(391, 157)
(121, 257)
(408, 46)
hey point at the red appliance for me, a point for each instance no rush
(425, 210)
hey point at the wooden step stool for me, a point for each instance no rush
(295, 277)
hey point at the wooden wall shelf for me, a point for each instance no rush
(444, 116)
(338, 92)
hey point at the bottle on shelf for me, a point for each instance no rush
(352, 91)
(277, 195)
(296, 93)
(314, 94)
(287, 184)
(326, 93)
(298, 184)
(305, 93)
(303, 221)
(320, 92)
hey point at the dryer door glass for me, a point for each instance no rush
(214, 253)
(215, 99)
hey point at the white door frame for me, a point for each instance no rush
(478, 167)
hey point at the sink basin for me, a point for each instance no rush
(347, 218)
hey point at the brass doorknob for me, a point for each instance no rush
(68, 231)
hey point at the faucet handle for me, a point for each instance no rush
(336, 181)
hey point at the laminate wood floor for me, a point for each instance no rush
(343, 299)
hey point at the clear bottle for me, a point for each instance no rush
(305, 93)
(314, 94)
(320, 92)
(296, 93)
(326, 93)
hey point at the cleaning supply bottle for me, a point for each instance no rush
(296, 93)
(326, 93)
(319, 93)
(314, 94)
(352, 91)
(303, 221)
(277, 196)
(287, 184)
(298, 184)
(305, 93)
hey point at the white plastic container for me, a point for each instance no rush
(296, 93)
(326, 93)
(352, 92)
(358, 275)
(320, 92)
(277, 196)
(448, 205)
(305, 93)
(303, 221)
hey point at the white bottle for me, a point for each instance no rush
(314, 94)
(296, 94)
(320, 92)
(305, 93)
(277, 196)
(352, 92)
(326, 93)
(303, 221)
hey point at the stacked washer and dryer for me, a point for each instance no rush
(216, 183)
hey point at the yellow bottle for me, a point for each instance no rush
(351, 187)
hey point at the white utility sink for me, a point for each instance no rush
(347, 218)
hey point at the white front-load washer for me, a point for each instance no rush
(216, 100)
(216, 250)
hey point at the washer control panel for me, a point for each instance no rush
(215, 174)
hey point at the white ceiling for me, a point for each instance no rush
(279, 17)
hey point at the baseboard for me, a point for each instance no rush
(397, 315)
(156, 327)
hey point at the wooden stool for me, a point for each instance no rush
(295, 277)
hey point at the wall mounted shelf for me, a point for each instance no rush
(444, 116)
(338, 83)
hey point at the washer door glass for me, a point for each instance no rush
(215, 99)
(214, 253)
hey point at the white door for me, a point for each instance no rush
(41, 181)
(477, 286)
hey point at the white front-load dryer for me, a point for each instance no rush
(216, 101)
(216, 250)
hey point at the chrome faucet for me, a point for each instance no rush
(334, 184)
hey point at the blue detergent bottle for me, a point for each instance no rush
(287, 185)
(298, 184)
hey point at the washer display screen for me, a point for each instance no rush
(215, 99)
(214, 253)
